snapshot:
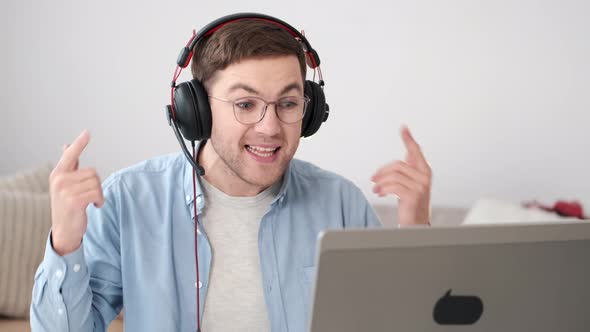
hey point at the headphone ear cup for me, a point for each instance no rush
(317, 109)
(203, 109)
(192, 110)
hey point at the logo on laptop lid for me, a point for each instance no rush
(457, 309)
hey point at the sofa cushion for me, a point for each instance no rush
(497, 211)
(25, 219)
(30, 180)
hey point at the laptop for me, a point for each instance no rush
(533, 277)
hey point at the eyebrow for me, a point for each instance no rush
(249, 89)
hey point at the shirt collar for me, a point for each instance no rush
(188, 184)
(280, 198)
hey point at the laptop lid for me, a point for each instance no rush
(532, 277)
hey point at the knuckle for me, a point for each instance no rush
(398, 164)
(57, 182)
(54, 175)
(96, 185)
(86, 172)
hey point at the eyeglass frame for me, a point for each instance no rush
(266, 104)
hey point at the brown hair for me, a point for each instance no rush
(239, 40)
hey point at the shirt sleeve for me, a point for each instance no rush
(359, 210)
(370, 217)
(80, 291)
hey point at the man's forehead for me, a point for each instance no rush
(254, 89)
(274, 73)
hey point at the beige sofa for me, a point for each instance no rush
(25, 221)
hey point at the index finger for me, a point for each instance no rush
(415, 155)
(72, 153)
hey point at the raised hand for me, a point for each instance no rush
(410, 181)
(72, 189)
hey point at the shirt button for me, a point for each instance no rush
(188, 198)
(199, 199)
(60, 312)
(199, 285)
(76, 267)
(59, 273)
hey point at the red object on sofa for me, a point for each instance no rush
(562, 208)
(569, 209)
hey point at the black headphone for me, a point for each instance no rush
(190, 112)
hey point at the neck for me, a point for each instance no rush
(219, 175)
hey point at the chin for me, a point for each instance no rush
(263, 182)
(264, 174)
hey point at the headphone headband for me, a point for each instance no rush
(187, 52)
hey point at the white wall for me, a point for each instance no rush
(496, 92)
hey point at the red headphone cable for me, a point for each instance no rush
(197, 284)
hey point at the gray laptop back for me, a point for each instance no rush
(469, 278)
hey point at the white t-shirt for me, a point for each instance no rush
(235, 298)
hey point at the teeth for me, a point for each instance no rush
(260, 151)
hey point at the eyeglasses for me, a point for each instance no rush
(251, 110)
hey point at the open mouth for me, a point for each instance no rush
(262, 152)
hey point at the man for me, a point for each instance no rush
(129, 243)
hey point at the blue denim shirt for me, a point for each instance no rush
(138, 251)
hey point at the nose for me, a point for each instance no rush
(270, 124)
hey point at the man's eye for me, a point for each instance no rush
(245, 105)
(288, 104)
